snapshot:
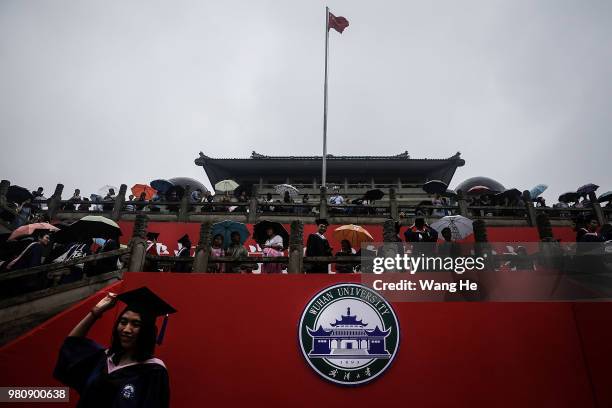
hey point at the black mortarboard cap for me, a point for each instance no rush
(185, 240)
(320, 221)
(152, 235)
(143, 300)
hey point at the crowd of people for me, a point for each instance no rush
(40, 248)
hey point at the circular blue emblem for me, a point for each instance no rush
(349, 334)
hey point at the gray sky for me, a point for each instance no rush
(111, 92)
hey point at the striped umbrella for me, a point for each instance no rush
(281, 188)
(460, 226)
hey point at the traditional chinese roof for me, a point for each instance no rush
(320, 332)
(348, 320)
(248, 170)
(378, 333)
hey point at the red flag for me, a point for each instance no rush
(337, 23)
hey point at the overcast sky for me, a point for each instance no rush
(111, 92)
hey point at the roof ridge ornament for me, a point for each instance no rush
(255, 155)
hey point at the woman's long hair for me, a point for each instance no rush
(145, 343)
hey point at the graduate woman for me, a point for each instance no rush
(126, 374)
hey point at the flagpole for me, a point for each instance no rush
(324, 167)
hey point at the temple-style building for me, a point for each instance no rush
(350, 174)
(349, 338)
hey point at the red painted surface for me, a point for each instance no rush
(170, 232)
(234, 343)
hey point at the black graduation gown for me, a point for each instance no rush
(183, 266)
(30, 259)
(317, 246)
(82, 365)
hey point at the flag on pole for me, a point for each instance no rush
(337, 23)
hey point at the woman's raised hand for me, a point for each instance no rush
(107, 303)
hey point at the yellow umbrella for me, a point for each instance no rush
(354, 234)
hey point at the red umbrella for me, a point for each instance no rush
(479, 190)
(29, 229)
(138, 189)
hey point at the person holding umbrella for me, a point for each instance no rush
(237, 251)
(273, 247)
(346, 250)
(30, 257)
(216, 251)
(448, 248)
(317, 245)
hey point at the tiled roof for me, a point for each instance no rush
(258, 156)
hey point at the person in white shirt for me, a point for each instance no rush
(273, 247)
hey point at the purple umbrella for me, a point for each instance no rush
(587, 188)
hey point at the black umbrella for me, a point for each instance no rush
(373, 195)
(180, 183)
(260, 232)
(18, 194)
(568, 197)
(587, 188)
(162, 186)
(510, 193)
(435, 187)
(449, 193)
(90, 226)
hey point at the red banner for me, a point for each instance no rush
(233, 342)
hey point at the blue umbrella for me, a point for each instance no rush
(587, 188)
(161, 185)
(225, 228)
(537, 190)
(607, 196)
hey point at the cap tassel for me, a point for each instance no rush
(162, 332)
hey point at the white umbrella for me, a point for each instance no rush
(281, 188)
(103, 191)
(226, 186)
(460, 226)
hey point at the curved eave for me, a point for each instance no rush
(219, 169)
(320, 332)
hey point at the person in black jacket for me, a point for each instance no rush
(317, 245)
(184, 251)
(30, 257)
(106, 264)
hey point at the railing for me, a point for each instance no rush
(254, 210)
(15, 282)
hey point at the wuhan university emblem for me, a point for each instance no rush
(349, 334)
